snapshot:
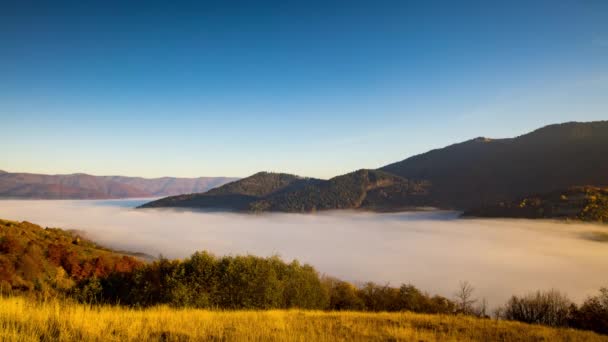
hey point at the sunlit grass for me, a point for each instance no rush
(25, 320)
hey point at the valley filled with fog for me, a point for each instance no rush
(432, 250)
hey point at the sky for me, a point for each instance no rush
(315, 88)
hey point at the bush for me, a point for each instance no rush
(342, 295)
(548, 308)
(593, 314)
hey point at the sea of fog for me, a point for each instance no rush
(433, 250)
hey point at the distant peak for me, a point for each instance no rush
(482, 140)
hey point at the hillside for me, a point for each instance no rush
(485, 171)
(363, 189)
(237, 195)
(48, 260)
(578, 203)
(83, 186)
(22, 320)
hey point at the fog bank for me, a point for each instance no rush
(432, 250)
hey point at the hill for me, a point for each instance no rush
(23, 320)
(363, 189)
(486, 171)
(83, 186)
(237, 195)
(48, 260)
(578, 203)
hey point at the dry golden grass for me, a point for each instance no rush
(25, 320)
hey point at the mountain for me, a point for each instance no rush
(76, 186)
(237, 195)
(484, 171)
(169, 186)
(478, 173)
(363, 189)
(577, 203)
(83, 186)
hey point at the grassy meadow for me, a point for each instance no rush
(22, 319)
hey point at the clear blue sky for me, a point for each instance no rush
(313, 88)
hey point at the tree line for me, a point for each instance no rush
(248, 282)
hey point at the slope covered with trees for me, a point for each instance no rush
(363, 189)
(486, 171)
(52, 261)
(237, 195)
(577, 203)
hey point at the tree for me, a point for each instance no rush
(464, 298)
(342, 295)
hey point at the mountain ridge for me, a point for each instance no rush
(85, 186)
(361, 189)
(482, 171)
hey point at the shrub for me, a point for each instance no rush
(593, 313)
(549, 308)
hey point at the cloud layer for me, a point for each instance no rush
(432, 250)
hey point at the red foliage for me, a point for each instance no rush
(10, 245)
(71, 264)
(7, 269)
(101, 266)
(126, 264)
(56, 253)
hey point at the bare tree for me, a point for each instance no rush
(481, 310)
(542, 307)
(464, 298)
(499, 313)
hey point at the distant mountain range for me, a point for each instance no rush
(481, 172)
(83, 186)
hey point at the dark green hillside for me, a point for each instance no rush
(484, 171)
(50, 260)
(579, 203)
(237, 195)
(363, 189)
